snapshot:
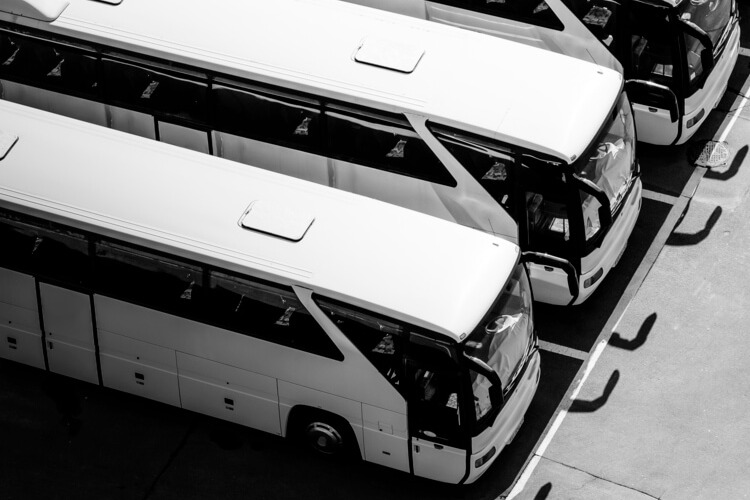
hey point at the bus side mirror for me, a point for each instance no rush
(545, 259)
(654, 95)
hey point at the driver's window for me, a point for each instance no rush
(434, 395)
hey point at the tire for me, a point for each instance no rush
(326, 435)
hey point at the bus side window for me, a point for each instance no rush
(493, 169)
(44, 249)
(379, 339)
(384, 143)
(272, 118)
(153, 91)
(148, 279)
(265, 311)
(434, 383)
(48, 65)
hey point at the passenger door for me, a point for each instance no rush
(438, 443)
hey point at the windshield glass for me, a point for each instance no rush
(712, 16)
(502, 339)
(609, 164)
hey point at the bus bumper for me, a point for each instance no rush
(508, 422)
(608, 255)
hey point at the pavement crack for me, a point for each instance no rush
(602, 478)
(170, 460)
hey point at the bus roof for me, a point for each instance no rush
(490, 86)
(391, 260)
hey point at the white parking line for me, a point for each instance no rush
(521, 484)
(688, 191)
(561, 349)
(657, 196)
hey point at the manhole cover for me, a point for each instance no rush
(709, 154)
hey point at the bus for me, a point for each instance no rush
(378, 104)
(361, 328)
(676, 55)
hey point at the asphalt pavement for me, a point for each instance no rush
(659, 409)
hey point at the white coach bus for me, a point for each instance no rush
(356, 325)
(519, 142)
(676, 55)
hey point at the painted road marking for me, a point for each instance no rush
(657, 196)
(680, 205)
(561, 349)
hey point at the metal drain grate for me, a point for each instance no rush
(709, 154)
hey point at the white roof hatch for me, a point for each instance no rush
(284, 221)
(389, 54)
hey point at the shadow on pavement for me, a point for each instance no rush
(631, 345)
(584, 406)
(685, 239)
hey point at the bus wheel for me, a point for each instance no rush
(325, 434)
(324, 438)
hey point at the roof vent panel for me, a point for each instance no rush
(290, 223)
(42, 10)
(389, 54)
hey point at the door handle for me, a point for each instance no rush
(49, 345)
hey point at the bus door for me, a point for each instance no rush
(548, 238)
(59, 259)
(652, 71)
(68, 332)
(437, 429)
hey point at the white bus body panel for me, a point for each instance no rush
(438, 462)
(133, 122)
(713, 90)
(20, 334)
(229, 393)
(385, 437)
(54, 102)
(69, 332)
(185, 137)
(300, 164)
(139, 368)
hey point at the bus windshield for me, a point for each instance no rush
(501, 341)
(712, 16)
(609, 164)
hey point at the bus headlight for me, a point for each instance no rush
(485, 458)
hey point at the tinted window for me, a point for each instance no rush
(267, 117)
(43, 249)
(379, 339)
(47, 65)
(434, 395)
(149, 279)
(546, 201)
(384, 143)
(652, 46)
(535, 12)
(491, 166)
(267, 312)
(154, 91)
